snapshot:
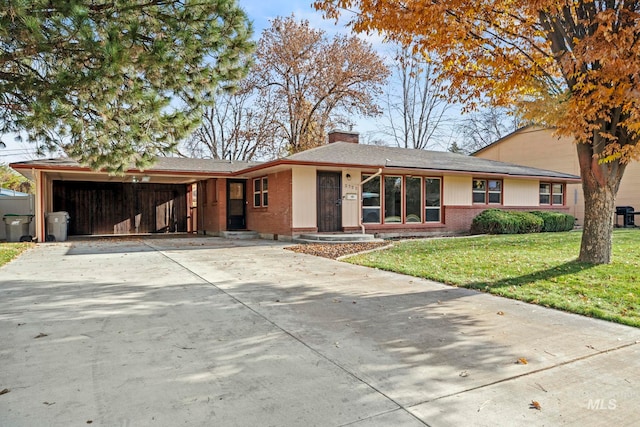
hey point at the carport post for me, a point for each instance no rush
(39, 208)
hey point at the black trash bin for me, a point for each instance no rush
(627, 214)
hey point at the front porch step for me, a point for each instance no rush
(240, 234)
(335, 238)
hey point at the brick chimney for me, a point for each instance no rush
(343, 136)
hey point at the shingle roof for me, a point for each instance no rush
(344, 153)
(163, 164)
(338, 153)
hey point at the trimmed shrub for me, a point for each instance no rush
(555, 221)
(528, 222)
(497, 221)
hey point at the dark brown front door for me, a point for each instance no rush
(329, 202)
(235, 205)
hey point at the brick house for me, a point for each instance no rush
(338, 187)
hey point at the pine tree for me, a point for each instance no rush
(116, 82)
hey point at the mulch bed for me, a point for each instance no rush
(335, 250)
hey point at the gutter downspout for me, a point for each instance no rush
(360, 197)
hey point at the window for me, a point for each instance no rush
(432, 200)
(401, 200)
(412, 199)
(557, 194)
(495, 191)
(479, 191)
(545, 193)
(371, 200)
(487, 191)
(392, 199)
(551, 193)
(261, 192)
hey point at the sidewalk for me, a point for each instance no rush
(207, 331)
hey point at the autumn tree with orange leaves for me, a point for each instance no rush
(572, 65)
(317, 82)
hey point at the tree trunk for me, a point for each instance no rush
(600, 182)
(599, 206)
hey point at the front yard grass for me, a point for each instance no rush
(539, 268)
(9, 251)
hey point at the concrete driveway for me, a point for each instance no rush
(213, 332)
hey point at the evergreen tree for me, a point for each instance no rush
(116, 82)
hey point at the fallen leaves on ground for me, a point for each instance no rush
(4, 391)
(335, 250)
(535, 405)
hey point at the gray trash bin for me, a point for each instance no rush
(57, 223)
(17, 226)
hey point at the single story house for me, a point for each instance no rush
(538, 147)
(342, 186)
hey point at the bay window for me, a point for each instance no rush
(401, 200)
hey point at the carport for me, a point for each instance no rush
(160, 199)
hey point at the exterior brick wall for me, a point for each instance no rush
(458, 220)
(276, 218)
(212, 206)
(343, 136)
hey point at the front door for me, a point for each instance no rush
(329, 202)
(235, 205)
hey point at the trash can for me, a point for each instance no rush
(627, 214)
(17, 227)
(57, 223)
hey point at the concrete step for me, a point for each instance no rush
(335, 238)
(240, 234)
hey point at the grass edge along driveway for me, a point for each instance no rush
(9, 251)
(538, 268)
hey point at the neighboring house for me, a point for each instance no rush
(538, 147)
(338, 187)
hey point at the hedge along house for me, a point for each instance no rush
(347, 187)
(338, 187)
(160, 199)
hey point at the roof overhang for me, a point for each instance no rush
(283, 164)
(156, 176)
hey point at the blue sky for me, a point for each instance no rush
(262, 11)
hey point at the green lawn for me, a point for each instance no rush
(9, 251)
(538, 268)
